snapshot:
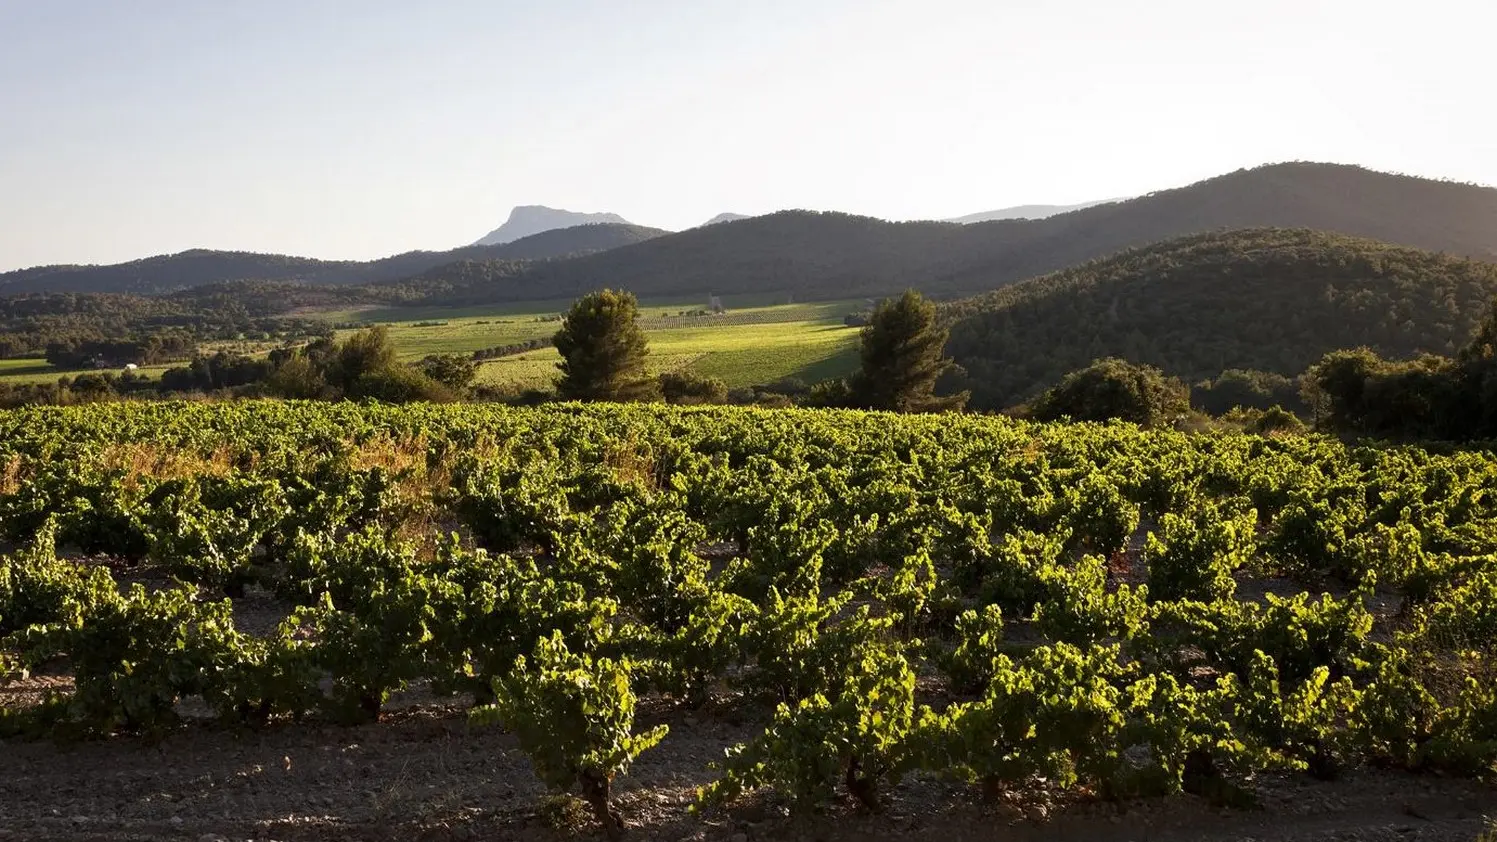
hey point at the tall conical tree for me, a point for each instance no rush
(603, 350)
(903, 357)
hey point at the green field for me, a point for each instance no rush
(415, 339)
(746, 346)
(28, 370)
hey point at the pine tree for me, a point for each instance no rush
(603, 350)
(903, 357)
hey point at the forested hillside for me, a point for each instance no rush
(168, 273)
(814, 255)
(1268, 299)
(30, 323)
(810, 254)
(832, 255)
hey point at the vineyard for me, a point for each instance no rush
(1029, 614)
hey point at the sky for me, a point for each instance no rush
(362, 128)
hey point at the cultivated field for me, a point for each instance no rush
(747, 346)
(268, 620)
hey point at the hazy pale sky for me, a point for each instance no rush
(360, 128)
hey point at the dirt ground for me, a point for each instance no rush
(424, 774)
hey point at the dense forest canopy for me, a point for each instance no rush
(1271, 300)
(31, 324)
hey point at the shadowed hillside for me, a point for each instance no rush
(833, 255)
(168, 273)
(814, 255)
(1274, 300)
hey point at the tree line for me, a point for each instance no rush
(903, 368)
(604, 352)
(56, 324)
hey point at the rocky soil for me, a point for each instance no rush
(424, 774)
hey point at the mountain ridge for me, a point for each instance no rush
(529, 220)
(829, 255)
(725, 217)
(162, 274)
(1027, 212)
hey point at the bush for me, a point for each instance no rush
(979, 636)
(1037, 718)
(400, 384)
(790, 386)
(1277, 419)
(1359, 392)
(774, 400)
(454, 371)
(134, 656)
(685, 388)
(831, 394)
(298, 377)
(1238, 388)
(1114, 388)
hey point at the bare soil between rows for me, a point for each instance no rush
(423, 773)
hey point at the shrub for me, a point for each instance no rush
(1114, 388)
(685, 388)
(574, 717)
(400, 384)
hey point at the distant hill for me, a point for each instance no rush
(832, 255)
(169, 273)
(529, 220)
(573, 241)
(1273, 300)
(1027, 212)
(813, 255)
(726, 217)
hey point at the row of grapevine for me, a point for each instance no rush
(1128, 611)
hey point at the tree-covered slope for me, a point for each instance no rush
(1268, 299)
(566, 242)
(199, 267)
(820, 255)
(805, 253)
(834, 255)
(168, 272)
